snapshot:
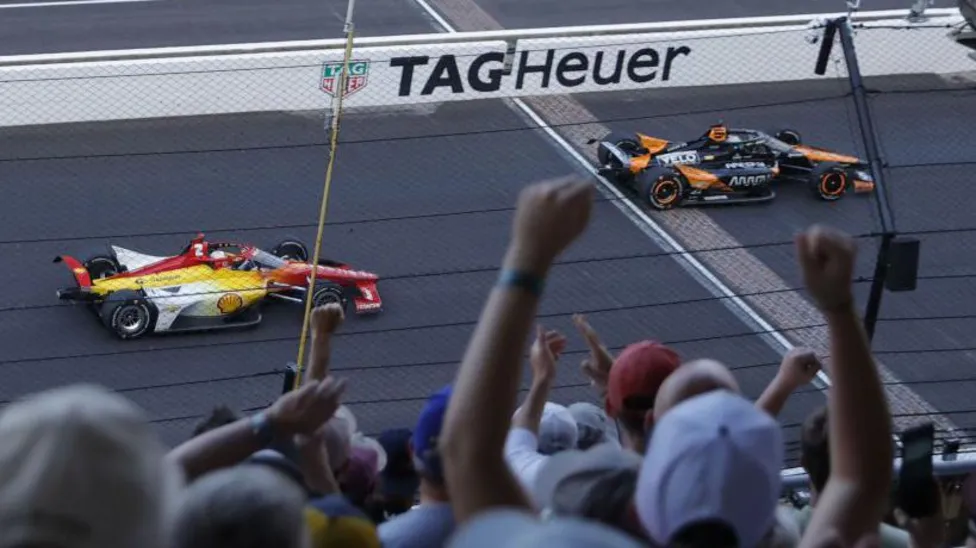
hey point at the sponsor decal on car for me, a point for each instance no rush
(748, 180)
(537, 69)
(674, 158)
(229, 303)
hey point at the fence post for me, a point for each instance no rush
(873, 154)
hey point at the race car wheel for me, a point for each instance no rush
(789, 136)
(291, 250)
(661, 189)
(628, 144)
(102, 266)
(328, 294)
(127, 314)
(829, 182)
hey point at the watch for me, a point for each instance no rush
(263, 429)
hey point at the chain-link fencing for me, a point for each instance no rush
(423, 192)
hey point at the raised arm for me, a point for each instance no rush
(548, 218)
(799, 367)
(853, 502)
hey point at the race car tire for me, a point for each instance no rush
(829, 181)
(789, 136)
(128, 314)
(661, 188)
(102, 266)
(292, 250)
(329, 294)
(627, 143)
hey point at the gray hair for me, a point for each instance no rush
(246, 506)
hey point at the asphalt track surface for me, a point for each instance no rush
(116, 181)
(394, 356)
(162, 23)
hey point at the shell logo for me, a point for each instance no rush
(231, 302)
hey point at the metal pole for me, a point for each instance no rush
(324, 206)
(874, 159)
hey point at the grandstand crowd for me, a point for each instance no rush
(675, 456)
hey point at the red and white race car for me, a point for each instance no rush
(209, 285)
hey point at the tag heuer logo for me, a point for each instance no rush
(355, 81)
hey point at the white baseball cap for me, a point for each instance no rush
(558, 430)
(712, 457)
(81, 467)
(515, 529)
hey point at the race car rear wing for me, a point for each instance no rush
(622, 158)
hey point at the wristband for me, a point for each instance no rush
(262, 428)
(522, 280)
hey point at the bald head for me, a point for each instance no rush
(692, 379)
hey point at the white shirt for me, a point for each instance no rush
(523, 457)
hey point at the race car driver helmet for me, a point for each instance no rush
(718, 133)
(217, 255)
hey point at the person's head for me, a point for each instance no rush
(557, 429)
(80, 466)
(596, 484)
(692, 379)
(593, 425)
(244, 506)
(332, 522)
(359, 477)
(426, 437)
(815, 450)
(635, 378)
(711, 474)
(219, 416)
(399, 479)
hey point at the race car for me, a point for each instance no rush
(727, 166)
(208, 285)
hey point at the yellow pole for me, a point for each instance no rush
(324, 206)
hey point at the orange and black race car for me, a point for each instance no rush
(727, 166)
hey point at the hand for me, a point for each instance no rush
(826, 258)
(799, 367)
(326, 319)
(595, 366)
(545, 352)
(305, 410)
(926, 532)
(586, 330)
(549, 216)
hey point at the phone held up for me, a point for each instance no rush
(918, 491)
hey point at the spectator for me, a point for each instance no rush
(711, 475)
(399, 479)
(298, 413)
(800, 366)
(539, 427)
(431, 523)
(855, 496)
(594, 426)
(81, 467)
(333, 522)
(815, 459)
(632, 385)
(484, 491)
(245, 506)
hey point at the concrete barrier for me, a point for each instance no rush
(387, 71)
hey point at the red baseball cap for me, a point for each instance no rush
(638, 372)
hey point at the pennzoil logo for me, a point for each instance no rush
(231, 302)
(356, 80)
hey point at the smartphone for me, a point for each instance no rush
(917, 489)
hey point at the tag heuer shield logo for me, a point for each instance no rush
(357, 79)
